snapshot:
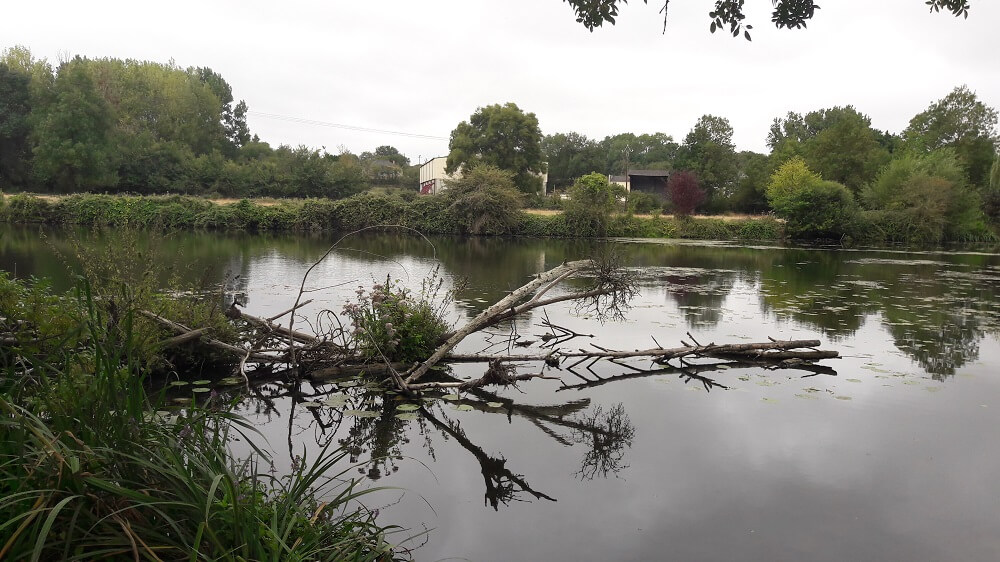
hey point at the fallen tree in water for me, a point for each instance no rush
(390, 332)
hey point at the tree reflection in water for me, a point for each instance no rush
(607, 436)
(369, 425)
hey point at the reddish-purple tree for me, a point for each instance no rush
(685, 193)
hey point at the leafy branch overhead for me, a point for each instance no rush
(729, 14)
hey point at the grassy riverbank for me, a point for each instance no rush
(428, 214)
(93, 464)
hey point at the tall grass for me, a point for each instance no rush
(92, 467)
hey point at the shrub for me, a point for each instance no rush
(592, 200)
(685, 193)
(924, 199)
(643, 203)
(390, 322)
(812, 207)
(484, 201)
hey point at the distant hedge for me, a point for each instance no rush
(428, 214)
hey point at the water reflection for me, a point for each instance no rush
(935, 307)
(869, 446)
(375, 427)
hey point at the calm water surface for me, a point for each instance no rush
(892, 454)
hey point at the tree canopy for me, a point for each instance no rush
(709, 151)
(837, 142)
(501, 136)
(728, 14)
(962, 122)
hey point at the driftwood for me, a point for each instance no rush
(748, 350)
(607, 292)
(504, 309)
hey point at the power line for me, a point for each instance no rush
(304, 121)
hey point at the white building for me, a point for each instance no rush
(433, 176)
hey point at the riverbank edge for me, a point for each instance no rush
(430, 215)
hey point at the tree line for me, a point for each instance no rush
(142, 127)
(941, 170)
(112, 125)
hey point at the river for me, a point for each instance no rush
(892, 454)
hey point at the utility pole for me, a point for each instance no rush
(628, 149)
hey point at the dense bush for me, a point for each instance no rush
(391, 323)
(427, 214)
(591, 201)
(643, 203)
(924, 199)
(685, 193)
(811, 207)
(484, 201)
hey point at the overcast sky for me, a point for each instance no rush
(421, 67)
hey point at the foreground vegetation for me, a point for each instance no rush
(93, 465)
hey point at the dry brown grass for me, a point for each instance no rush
(728, 217)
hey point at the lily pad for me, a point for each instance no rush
(853, 380)
(407, 416)
(407, 407)
(347, 384)
(807, 396)
(451, 397)
(844, 398)
(769, 400)
(229, 381)
(179, 383)
(464, 408)
(495, 404)
(201, 389)
(201, 382)
(336, 400)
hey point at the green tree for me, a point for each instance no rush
(961, 121)
(657, 150)
(709, 152)
(569, 156)
(15, 109)
(838, 142)
(755, 173)
(485, 201)
(924, 198)
(501, 136)
(233, 117)
(788, 14)
(591, 201)
(306, 172)
(42, 78)
(811, 206)
(73, 148)
(991, 198)
(392, 154)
